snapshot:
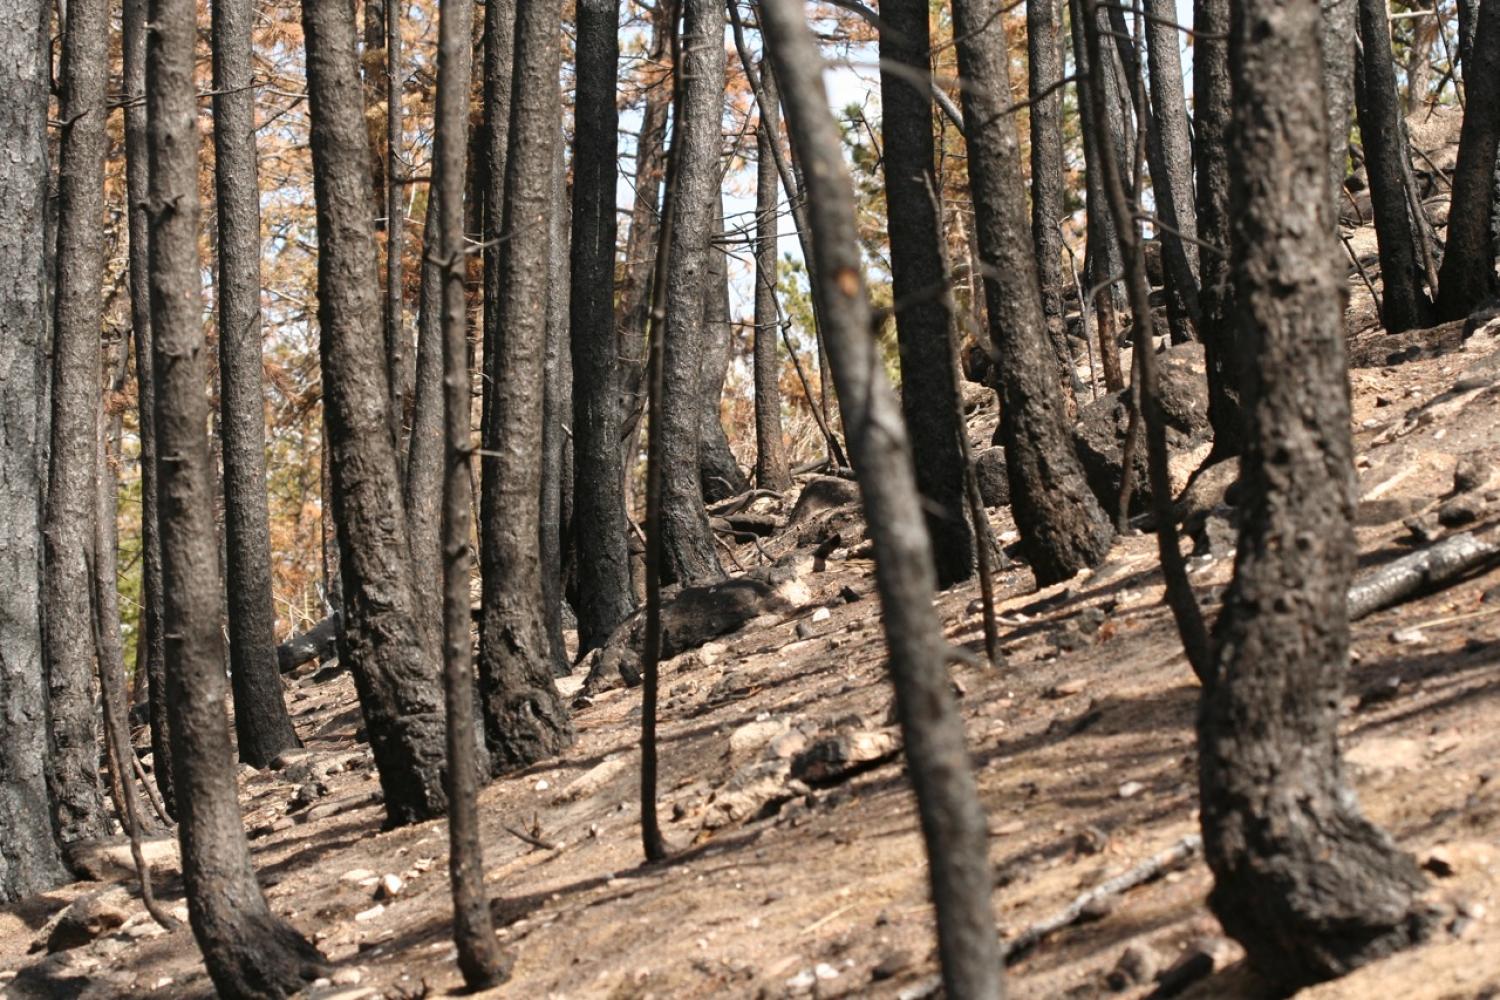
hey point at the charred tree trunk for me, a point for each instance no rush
(249, 951)
(69, 513)
(395, 671)
(398, 372)
(770, 454)
(689, 556)
(719, 474)
(1339, 26)
(1171, 161)
(260, 716)
(1048, 185)
(29, 858)
(605, 598)
(557, 417)
(499, 50)
(1302, 880)
(422, 491)
(953, 824)
(525, 719)
(1468, 275)
(929, 391)
(1404, 304)
(1063, 529)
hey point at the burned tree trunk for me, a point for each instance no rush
(249, 951)
(395, 671)
(1063, 529)
(689, 556)
(260, 716)
(29, 858)
(69, 513)
(952, 821)
(1048, 186)
(1468, 275)
(1339, 26)
(1302, 880)
(1171, 157)
(557, 419)
(525, 719)
(719, 474)
(770, 455)
(422, 491)
(918, 276)
(490, 170)
(605, 598)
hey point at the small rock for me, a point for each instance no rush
(802, 982)
(1138, 964)
(365, 916)
(1088, 620)
(389, 887)
(1067, 688)
(1439, 862)
(822, 615)
(1423, 528)
(542, 785)
(1464, 509)
(805, 630)
(86, 919)
(1408, 636)
(357, 875)
(347, 977)
(825, 971)
(1197, 962)
(1131, 789)
(849, 594)
(1470, 474)
(306, 794)
(891, 965)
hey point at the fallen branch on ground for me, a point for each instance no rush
(1433, 568)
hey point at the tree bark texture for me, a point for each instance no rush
(1063, 529)
(719, 473)
(422, 490)
(1302, 880)
(1171, 161)
(557, 417)
(953, 824)
(770, 453)
(249, 952)
(29, 858)
(395, 671)
(260, 717)
(929, 388)
(398, 372)
(1339, 26)
(689, 556)
(1468, 275)
(525, 719)
(1404, 304)
(499, 51)
(68, 526)
(1048, 184)
(605, 597)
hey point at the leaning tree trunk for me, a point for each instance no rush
(260, 717)
(953, 824)
(525, 718)
(1404, 305)
(1301, 879)
(1468, 275)
(688, 550)
(150, 662)
(605, 597)
(929, 390)
(395, 670)
(770, 453)
(1063, 529)
(29, 858)
(249, 951)
(1044, 66)
(719, 473)
(68, 518)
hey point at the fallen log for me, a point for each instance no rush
(319, 642)
(1432, 568)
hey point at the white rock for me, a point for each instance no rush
(364, 916)
(1131, 789)
(542, 785)
(356, 875)
(822, 615)
(825, 971)
(389, 887)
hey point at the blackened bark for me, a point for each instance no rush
(479, 956)
(1404, 304)
(1170, 152)
(1212, 104)
(29, 858)
(1468, 275)
(249, 951)
(499, 50)
(689, 557)
(1044, 69)
(605, 597)
(1063, 529)
(398, 372)
(557, 416)
(422, 491)
(770, 454)
(395, 671)
(260, 717)
(1339, 25)
(1302, 880)
(69, 512)
(719, 474)
(525, 719)
(918, 275)
(150, 662)
(372, 70)
(953, 824)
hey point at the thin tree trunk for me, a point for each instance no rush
(1048, 185)
(398, 372)
(249, 951)
(918, 278)
(557, 415)
(770, 455)
(423, 489)
(1404, 304)
(260, 717)
(68, 518)
(395, 670)
(525, 718)
(1171, 157)
(1468, 275)
(29, 858)
(605, 597)
(1339, 21)
(689, 555)
(1063, 529)
(1302, 880)
(719, 474)
(953, 824)
(479, 956)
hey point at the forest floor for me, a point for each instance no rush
(1082, 739)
